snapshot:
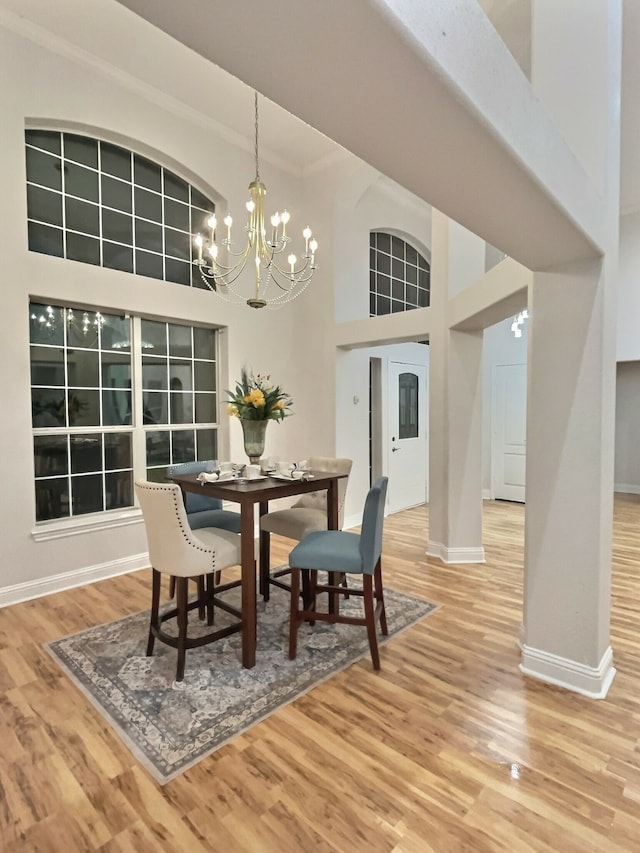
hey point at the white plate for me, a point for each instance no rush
(242, 481)
(291, 479)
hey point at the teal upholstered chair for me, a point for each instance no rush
(342, 553)
(203, 511)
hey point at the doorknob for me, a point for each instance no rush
(395, 449)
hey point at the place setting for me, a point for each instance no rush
(291, 471)
(232, 473)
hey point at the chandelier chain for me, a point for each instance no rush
(256, 132)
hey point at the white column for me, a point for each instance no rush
(571, 383)
(455, 403)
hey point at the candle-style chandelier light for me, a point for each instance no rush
(274, 284)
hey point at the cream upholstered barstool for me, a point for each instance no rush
(174, 549)
(307, 515)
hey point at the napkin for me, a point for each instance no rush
(205, 477)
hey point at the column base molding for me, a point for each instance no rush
(455, 555)
(574, 676)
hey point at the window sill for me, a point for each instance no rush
(85, 524)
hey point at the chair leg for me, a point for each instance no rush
(181, 598)
(210, 588)
(155, 608)
(293, 618)
(311, 593)
(265, 561)
(201, 597)
(370, 616)
(379, 595)
(172, 586)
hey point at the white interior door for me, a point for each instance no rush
(408, 419)
(509, 445)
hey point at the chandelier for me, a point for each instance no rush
(274, 283)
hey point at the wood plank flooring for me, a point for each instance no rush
(448, 749)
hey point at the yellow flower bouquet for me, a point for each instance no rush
(256, 399)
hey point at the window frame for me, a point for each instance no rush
(49, 528)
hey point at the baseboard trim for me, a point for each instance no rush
(574, 676)
(69, 580)
(455, 555)
(626, 488)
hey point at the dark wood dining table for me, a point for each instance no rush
(248, 493)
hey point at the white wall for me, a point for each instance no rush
(42, 85)
(629, 288)
(627, 459)
(378, 204)
(500, 347)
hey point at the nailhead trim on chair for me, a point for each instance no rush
(178, 496)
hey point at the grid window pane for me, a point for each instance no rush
(177, 271)
(118, 489)
(117, 257)
(81, 182)
(205, 408)
(207, 444)
(49, 140)
(44, 205)
(149, 265)
(86, 414)
(148, 205)
(86, 453)
(116, 194)
(46, 240)
(176, 215)
(81, 149)
(119, 183)
(177, 244)
(52, 498)
(175, 187)
(204, 343)
(180, 341)
(117, 226)
(50, 453)
(396, 271)
(86, 494)
(115, 161)
(154, 336)
(47, 366)
(85, 249)
(204, 376)
(44, 169)
(147, 174)
(82, 216)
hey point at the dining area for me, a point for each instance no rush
(252, 497)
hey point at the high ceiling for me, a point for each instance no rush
(111, 36)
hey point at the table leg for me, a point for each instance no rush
(332, 524)
(265, 553)
(248, 575)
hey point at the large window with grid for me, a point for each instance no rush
(399, 276)
(115, 396)
(95, 202)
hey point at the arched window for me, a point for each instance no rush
(95, 202)
(399, 276)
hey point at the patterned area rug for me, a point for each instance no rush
(170, 726)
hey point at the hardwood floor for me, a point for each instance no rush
(448, 749)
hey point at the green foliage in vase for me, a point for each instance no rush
(256, 399)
